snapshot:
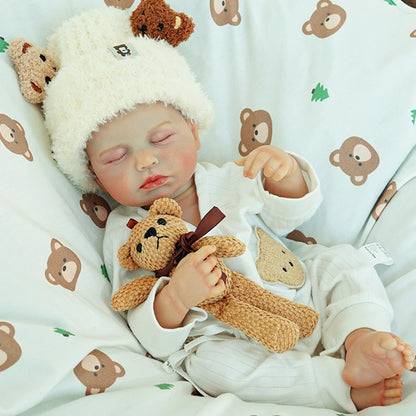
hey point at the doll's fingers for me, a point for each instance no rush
(255, 163)
(273, 169)
(202, 254)
(218, 288)
(208, 265)
(240, 161)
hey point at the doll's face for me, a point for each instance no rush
(148, 153)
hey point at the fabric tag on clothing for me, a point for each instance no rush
(122, 51)
(376, 254)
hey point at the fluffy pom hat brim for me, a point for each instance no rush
(95, 83)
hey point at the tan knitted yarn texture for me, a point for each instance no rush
(273, 321)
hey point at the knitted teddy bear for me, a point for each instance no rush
(159, 241)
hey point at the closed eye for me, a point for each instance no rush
(161, 137)
(114, 156)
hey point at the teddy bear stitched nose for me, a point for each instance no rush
(142, 29)
(151, 232)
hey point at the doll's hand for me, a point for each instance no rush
(281, 172)
(275, 163)
(196, 278)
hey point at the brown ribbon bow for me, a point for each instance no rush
(184, 245)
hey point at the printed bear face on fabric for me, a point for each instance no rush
(384, 199)
(121, 4)
(96, 208)
(256, 130)
(225, 12)
(13, 137)
(97, 371)
(357, 158)
(10, 350)
(327, 19)
(64, 266)
(155, 19)
(35, 68)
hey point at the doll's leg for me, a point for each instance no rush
(246, 290)
(252, 373)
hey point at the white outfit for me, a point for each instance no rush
(340, 285)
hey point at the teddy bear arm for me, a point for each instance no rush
(274, 332)
(227, 246)
(246, 290)
(133, 293)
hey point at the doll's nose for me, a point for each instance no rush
(145, 160)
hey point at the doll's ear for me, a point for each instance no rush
(125, 258)
(166, 206)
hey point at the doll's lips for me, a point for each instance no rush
(153, 182)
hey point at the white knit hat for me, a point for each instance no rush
(105, 70)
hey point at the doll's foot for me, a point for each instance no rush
(384, 393)
(375, 356)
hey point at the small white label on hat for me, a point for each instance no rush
(124, 50)
(376, 254)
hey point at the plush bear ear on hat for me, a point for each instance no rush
(34, 67)
(125, 258)
(155, 19)
(166, 206)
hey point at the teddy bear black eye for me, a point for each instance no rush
(43, 57)
(161, 221)
(139, 247)
(47, 80)
(160, 26)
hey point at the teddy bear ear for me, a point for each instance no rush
(166, 206)
(125, 258)
(35, 68)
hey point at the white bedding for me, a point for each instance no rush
(364, 86)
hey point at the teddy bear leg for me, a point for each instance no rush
(133, 293)
(303, 316)
(274, 332)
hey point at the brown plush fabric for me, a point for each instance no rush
(155, 19)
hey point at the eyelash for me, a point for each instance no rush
(164, 137)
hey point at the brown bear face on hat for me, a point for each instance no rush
(155, 19)
(152, 241)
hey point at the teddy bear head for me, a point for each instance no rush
(152, 241)
(155, 19)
